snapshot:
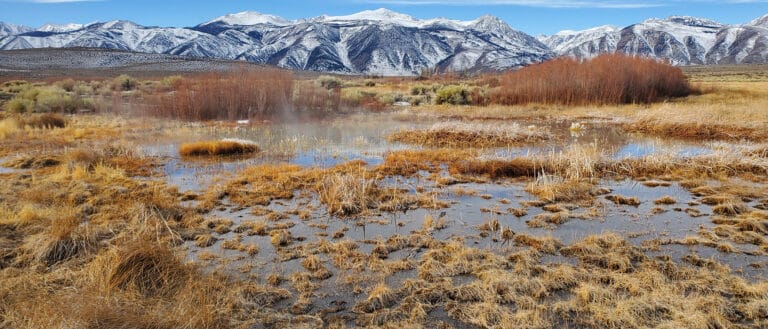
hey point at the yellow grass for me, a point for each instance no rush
(477, 135)
(218, 148)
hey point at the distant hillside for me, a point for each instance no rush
(383, 42)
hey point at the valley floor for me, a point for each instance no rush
(433, 216)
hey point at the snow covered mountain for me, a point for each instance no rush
(60, 28)
(681, 40)
(584, 44)
(370, 42)
(384, 42)
(13, 29)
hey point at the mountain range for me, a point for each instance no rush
(383, 42)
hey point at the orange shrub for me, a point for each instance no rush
(236, 95)
(606, 79)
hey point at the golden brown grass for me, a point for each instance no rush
(218, 148)
(469, 135)
(409, 162)
(665, 200)
(89, 240)
(82, 238)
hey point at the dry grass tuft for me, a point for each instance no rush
(468, 135)
(348, 194)
(218, 148)
(556, 189)
(44, 121)
(665, 200)
(730, 208)
(623, 200)
(548, 245)
(149, 270)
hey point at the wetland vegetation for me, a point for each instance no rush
(260, 199)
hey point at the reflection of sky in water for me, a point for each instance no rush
(646, 148)
(330, 142)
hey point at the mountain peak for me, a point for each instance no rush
(59, 28)
(686, 20)
(118, 25)
(11, 29)
(250, 18)
(378, 15)
(760, 21)
(490, 23)
(694, 21)
(598, 29)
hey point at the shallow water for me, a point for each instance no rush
(329, 142)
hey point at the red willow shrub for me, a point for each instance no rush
(239, 94)
(606, 79)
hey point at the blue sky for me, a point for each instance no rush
(531, 16)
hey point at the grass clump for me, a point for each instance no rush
(455, 134)
(44, 121)
(218, 148)
(623, 200)
(148, 270)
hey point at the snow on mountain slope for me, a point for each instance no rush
(12, 29)
(761, 21)
(584, 44)
(740, 44)
(385, 42)
(59, 28)
(680, 40)
(249, 18)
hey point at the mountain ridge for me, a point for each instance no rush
(384, 42)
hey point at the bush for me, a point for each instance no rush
(170, 83)
(54, 100)
(124, 83)
(420, 90)
(235, 95)
(454, 95)
(83, 88)
(606, 79)
(15, 86)
(67, 84)
(311, 98)
(19, 105)
(329, 82)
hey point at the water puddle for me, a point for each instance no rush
(330, 142)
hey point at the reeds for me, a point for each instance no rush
(237, 95)
(606, 79)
